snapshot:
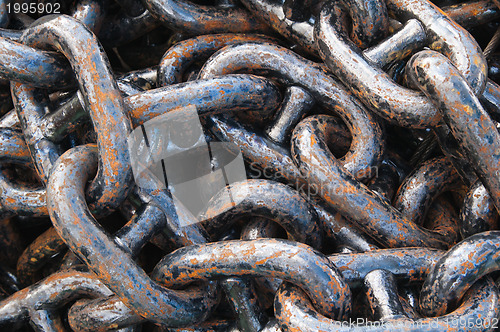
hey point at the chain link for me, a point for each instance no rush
(336, 165)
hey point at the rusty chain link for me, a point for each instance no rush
(252, 165)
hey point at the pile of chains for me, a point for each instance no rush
(369, 144)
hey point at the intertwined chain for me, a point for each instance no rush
(252, 165)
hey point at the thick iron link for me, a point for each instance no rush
(351, 198)
(374, 87)
(366, 137)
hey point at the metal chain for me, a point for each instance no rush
(253, 165)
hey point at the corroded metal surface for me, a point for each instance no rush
(366, 138)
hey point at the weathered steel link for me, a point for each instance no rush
(100, 253)
(478, 213)
(245, 303)
(59, 288)
(294, 304)
(360, 193)
(13, 147)
(83, 317)
(409, 265)
(37, 254)
(366, 146)
(481, 140)
(228, 93)
(396, 47)
(491, 99)
(293, 262)
(262, 153)
(301, 31)
(17, 198)
(195, 19)
(457, 270)
(295, 312)
(232, 92)
(279, 165)
(257, 229)
(374, 87)
(351, 198)
(382, 295)
(296, 103)
(46, 69)
(470, 14)
(172, 66)
(282, 58)
(91, 13)
(451, 149)
(447, 37)
(258, 198)
(103, 314)
(103, 100)
(29, 65)
(419, 188)
(370, 21)
(387, 180)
